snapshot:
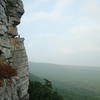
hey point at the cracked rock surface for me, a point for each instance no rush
(12, 52)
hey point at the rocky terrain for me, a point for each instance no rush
(14, 77)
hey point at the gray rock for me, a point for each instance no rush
(13, 51)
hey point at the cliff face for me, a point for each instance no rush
(13, 59)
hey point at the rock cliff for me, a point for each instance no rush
(13, 59)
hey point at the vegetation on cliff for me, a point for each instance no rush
(6, 72)
(72, 82)
(43, 91)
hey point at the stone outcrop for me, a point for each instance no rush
(12, 53)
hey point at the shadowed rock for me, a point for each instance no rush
(12, 53)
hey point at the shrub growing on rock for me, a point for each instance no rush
(7, 71)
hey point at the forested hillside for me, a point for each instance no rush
(73, 82)
(43, 90)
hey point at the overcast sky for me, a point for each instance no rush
(62, 31)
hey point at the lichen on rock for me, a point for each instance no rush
(14, 79)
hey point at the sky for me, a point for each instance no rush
(62, 31)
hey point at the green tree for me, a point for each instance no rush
(43, 91)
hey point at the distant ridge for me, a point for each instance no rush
(75, 81)
(62, 64)
(81, 76)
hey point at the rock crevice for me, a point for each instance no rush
(13, 57)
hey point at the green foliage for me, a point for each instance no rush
(83, 77)
(43, 91)
(72, 82)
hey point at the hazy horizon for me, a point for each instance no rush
(62, 32)
(70, 65)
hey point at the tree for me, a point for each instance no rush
(43, 91)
